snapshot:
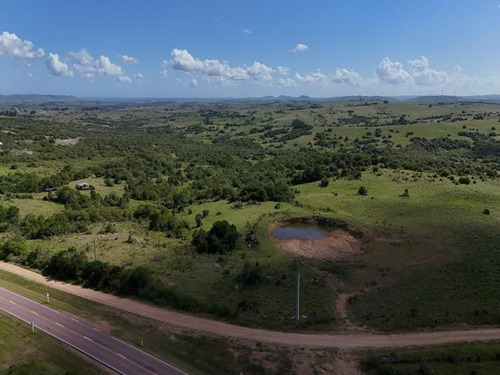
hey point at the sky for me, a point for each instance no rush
(198, 49)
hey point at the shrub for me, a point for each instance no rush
(362, 191)
(486, 211)
(464, 180)
(14, 247)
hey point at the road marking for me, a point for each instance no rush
(12, 302)
(47, 330)
(151, 356)
(59, 324)
(95, 329)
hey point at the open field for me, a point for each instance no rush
(186, 196)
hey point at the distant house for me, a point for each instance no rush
(84, 186)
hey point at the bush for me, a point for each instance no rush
(14, 247)
(464, 180)
(362, 191)
(251, 274)
(324, 182)
(486, 211)
(67, 265)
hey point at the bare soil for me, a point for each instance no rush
(337, 245)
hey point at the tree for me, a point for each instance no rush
(198, 219)
(362, 191)
(220, 239)
(324, 182)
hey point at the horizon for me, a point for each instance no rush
(323, 50)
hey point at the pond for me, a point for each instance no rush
(300, 230)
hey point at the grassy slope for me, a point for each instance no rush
(435, 262)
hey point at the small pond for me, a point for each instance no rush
(300, 230)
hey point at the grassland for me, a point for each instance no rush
(429, 257)
(467, 359)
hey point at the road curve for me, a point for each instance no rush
(108, 350)
(224, 329)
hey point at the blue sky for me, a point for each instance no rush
(233, 48)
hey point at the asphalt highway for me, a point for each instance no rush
(117, 355)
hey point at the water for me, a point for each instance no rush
(299, 230)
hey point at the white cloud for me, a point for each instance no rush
(260, 72)
(124, 79)
(346, 76)
(283, 70)
(287, 82)
(392, 72)
(57, 67)
(246, 31)
(193, 83)
(12, 46)
(183, 60)
(87, 66)
(316, 77)
(105, 66)
(129, 59)
(459, 78)
(424, 75)
(300, 48)
(138, 76)
(163, 73)
(29, 75)
(164, 63)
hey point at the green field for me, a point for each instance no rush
(186, 192)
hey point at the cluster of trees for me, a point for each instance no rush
(162, 220)
(222, 238)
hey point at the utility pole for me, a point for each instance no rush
(48, 297)
(297, 314)
(32, 327)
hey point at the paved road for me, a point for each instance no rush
(110, 351)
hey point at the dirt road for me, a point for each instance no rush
(298, 339)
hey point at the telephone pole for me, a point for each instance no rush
(297, 313)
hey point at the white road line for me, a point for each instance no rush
(34, 312)
(77, 348)
(121, 355)
(95, 329)
(59, 324)
(151, 356)
(68, 343)
(13, 302)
